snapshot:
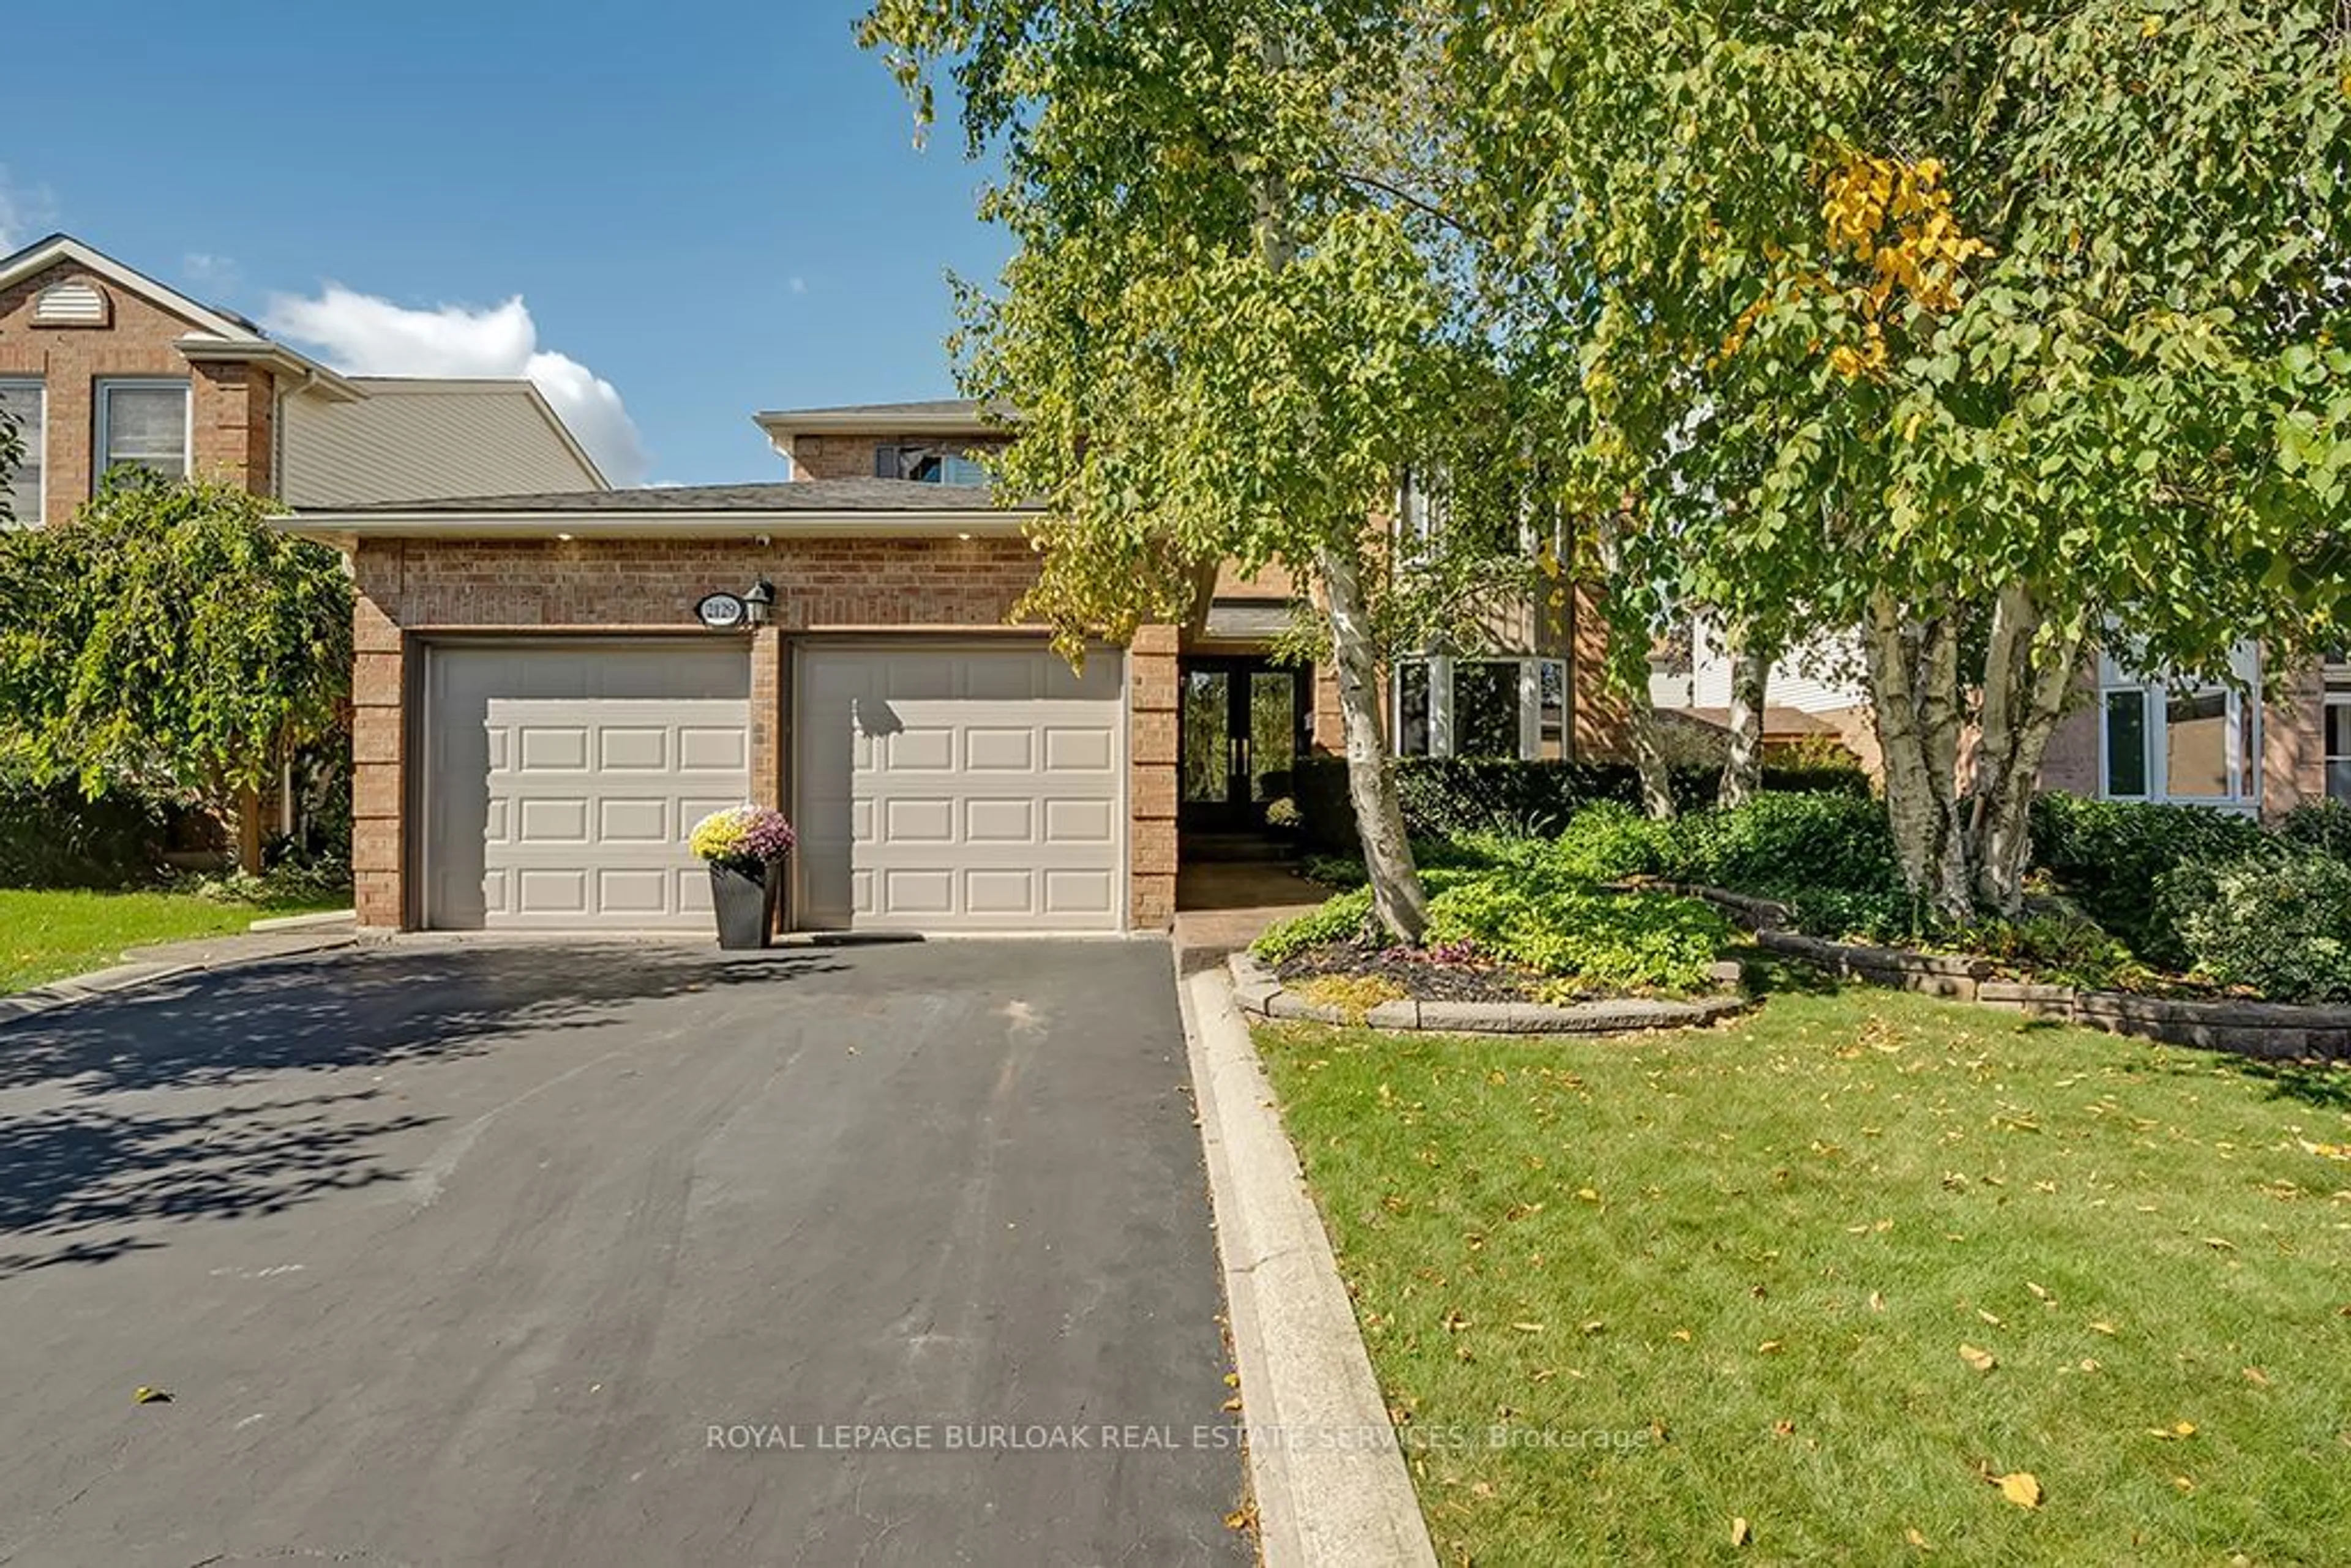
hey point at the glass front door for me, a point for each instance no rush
(1242, 727)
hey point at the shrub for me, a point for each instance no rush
(2278, 924)
(1343, 917)
(2068, 949)
(2324, 826)
(1447, 797)
(1783, 844)
(1595, 940)
(2109, 856)
(1608, 841)
(51, 836)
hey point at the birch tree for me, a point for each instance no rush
(1222, 342)
(1994, 334)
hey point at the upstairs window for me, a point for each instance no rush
(927, 465)
(25, 403)
(144, 424)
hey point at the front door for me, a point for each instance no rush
(1243, 727)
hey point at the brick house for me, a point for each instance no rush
(548, 695)
(101, 365)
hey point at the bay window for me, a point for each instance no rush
(1481, 707)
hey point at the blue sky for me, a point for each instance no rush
(712, 207)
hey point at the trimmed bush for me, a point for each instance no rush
(2109, 855)
(1781, 843)
(1448, 797)
(2279, 924)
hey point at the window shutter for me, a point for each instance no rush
(886, 463)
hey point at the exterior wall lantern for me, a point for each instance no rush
(759, 604)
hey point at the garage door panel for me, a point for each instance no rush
(562, 780)
(977, 789)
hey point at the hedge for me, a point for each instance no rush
(1447, 796)
(52, 837)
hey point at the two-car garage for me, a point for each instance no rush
(937, 785)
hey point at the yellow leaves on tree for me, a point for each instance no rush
(1892, 217)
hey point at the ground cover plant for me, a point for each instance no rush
(1886, 1279)
(2177, 900)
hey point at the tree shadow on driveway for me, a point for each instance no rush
(125, 1117)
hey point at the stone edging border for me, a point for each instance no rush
(1258, 991)
(2270, 1031)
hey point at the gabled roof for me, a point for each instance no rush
(809, 507)
(219, 334)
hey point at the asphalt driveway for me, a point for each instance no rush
(615, 1255)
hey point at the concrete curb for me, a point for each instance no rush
(99, 984)
(1325, 1465)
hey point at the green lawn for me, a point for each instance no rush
(1730, 1275)
(47, 935)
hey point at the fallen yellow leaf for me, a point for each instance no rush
(2104, 1328)
(1915, 1538)
(1739, 1533)
(1768, 1347)
(1982, 1360)
(2022, 1488)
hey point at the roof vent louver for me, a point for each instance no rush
(76, 302)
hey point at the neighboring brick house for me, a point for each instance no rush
(542, 712)
(101, 365)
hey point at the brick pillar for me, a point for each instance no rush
(378, 759)
(1151, 778)
(767, 763)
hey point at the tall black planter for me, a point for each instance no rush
(745, 905)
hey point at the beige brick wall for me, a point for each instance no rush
(410, 591)
(231, 407)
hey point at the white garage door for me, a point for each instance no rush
(959, 788)
(560, 781)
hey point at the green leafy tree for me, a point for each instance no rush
(12, 455)
(1999, 335)
(168, 636)
(1227, 340)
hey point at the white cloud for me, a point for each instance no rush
(362, 334)
(26, 211)
(218, 273)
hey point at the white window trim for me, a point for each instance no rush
(40, 389)
(2242, 743)
(1440, 668)
(101, 396)
(2326, 760)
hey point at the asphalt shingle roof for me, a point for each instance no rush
(799, 496)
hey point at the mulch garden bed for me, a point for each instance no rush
(1419, 977)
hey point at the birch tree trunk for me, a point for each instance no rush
(1743, 770)
(1397, 897)
(1914, 681)
(1626, 667)
(2029, 667)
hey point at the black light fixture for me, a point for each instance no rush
(760, 602)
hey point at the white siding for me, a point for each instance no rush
(427, 440)
(1809, 680)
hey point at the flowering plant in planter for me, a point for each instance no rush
(749, 838)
